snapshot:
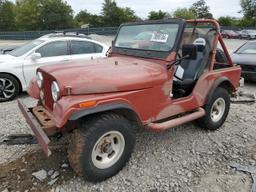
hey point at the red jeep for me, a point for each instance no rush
(159, 74)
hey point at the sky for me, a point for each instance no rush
(143, 7)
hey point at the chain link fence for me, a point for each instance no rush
(29, 35)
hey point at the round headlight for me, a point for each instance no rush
(55, 91)
(39, 79)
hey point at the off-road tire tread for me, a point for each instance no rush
(83, 133)
(206, 122)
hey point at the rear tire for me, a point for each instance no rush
(9, 87)
(101, 146)
(217, 109)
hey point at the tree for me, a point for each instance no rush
(157, 15)
(246, 22)
(184, 13)
(83, 17)
(28, 15)
(114, 15)
(226, 21)
(248, 8)
(201, 10)
(249, 12)
(7, 16)
(96, 20)
(128, 15)
(56, 14)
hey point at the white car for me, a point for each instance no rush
(247, 34)
(19, 66)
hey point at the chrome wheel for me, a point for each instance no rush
(7, 89)
(218, 109)
(108, 149)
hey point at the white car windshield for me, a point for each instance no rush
(25, 48)
(151, 37)
(249, 48)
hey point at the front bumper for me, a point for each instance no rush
(41, 125)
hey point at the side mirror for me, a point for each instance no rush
(35, 56)
(189, 51)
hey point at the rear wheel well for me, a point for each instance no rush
(20, 86)
(228, 86)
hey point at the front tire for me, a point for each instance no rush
(9, 87)
(101, 146)
(217, 109)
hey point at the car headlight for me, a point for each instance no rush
(39, 79)
(55, 91)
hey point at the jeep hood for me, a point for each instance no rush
(114, 74)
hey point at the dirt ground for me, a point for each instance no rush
(185, 158)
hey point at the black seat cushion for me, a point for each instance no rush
(191, 72)
(186, 85)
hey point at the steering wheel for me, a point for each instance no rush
(210, 30)
(177, 62)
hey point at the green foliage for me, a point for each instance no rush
(248, 8)
(249, 12)
(128, 15)
(56, 14)
(157, 15)
(7, 16)
(43, 14)
(226, 21)
(28, 15)
(83, 17)
(246, 22)
(114, 15)
(201, 10)
(184, 13)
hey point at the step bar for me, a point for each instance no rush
(200, 112)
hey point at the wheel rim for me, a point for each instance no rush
(7, 89)
(108, 149)
(218, 109)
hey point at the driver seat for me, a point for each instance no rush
(187, 72)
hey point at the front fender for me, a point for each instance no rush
(68, 108)
(100, 108)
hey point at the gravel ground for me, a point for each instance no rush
(185, 158)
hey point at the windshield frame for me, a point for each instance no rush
(150, 53)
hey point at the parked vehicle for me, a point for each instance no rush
(247, 34)
(7, 49)
(19, 66)
(245, 56)
(229, 34)
(155, 83)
